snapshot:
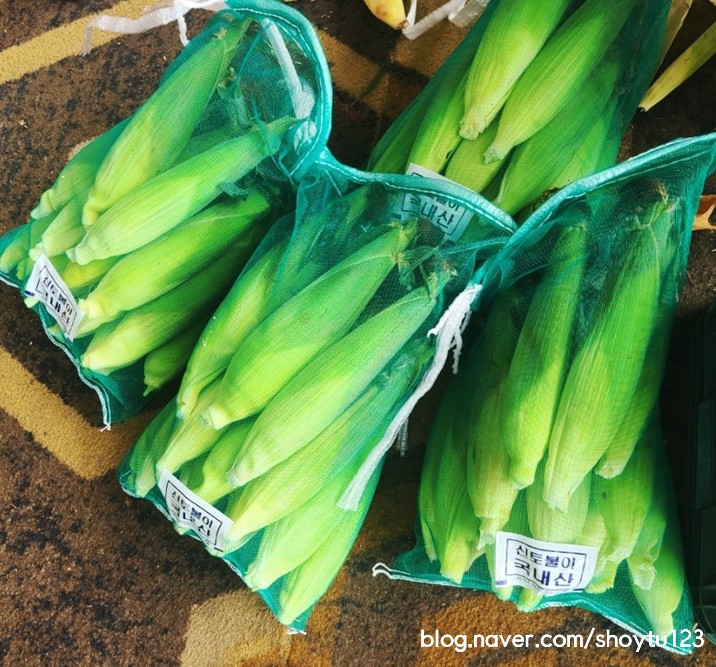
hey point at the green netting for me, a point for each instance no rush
(566, 78)
(545, 477)
(132, 248)
(306, 372)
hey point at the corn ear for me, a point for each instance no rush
(305, 585)
(531, 390)
(329, 384)
(168, 199)
(141, 330)
(564, 63)
(63, 232)
(167, 361)
(540, 160)
(515, 34)
(77, 176)
(239, 312)
(175, 256)
(661, 600)
(316, 317)
(607, 367)
(155, 135)
(642, 560)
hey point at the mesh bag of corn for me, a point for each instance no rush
(537, 95)
(545, 478)
(272, 448)
(146, 228)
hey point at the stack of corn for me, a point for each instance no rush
(534, 107)
(550, 433)
(150, 223)
(293, 385)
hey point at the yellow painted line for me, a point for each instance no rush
(52, 46)
(87, 450)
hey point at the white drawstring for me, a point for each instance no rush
(460, 12)
(158, 14)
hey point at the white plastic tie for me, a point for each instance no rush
(460, 12)
(156, 15)
(448, 333)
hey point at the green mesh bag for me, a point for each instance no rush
(305, 374)
(147, 227)
(537, 95)
(545, 478)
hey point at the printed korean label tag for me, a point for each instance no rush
(46, 285)
(441, 212)
(190, 511)
(548, 568)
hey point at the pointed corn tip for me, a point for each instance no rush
(528, 600)
(470, 130)
(494, 153)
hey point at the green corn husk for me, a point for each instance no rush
(607, 367)
(540, 160)
(79, 277)
(307, 583)
(552, 525)
(351, 435)
(121, 343)
(237, 315)
(564, 63)
(317, 316)
(515, 35)
(533, 384)
(77, 176)
(17, 255)
(329, 384)
(168, 199)
(466, 166)
(491, 490)
(141, 478)
(141, 153)
(166, 362)
(662, 598)
(624, 500)
(65, 231)
(176, 256)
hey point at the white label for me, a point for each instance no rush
(46, 285)
(190, 511)
(443, 213)
(548, 568)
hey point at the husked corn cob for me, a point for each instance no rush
(514, 36)
(175, 256)
(150, 143)
(169, 198)
(624, 501)
(532, 387)
(564, 63)
(167, 361)
(660, 601)
(77, 176)
(540, 160)
(143, 455)
(149, 326)
(351, 435)
(239, 312)
(316, 317)
(552, 525)
(308, 582)
(607, 367)
(328, 384)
